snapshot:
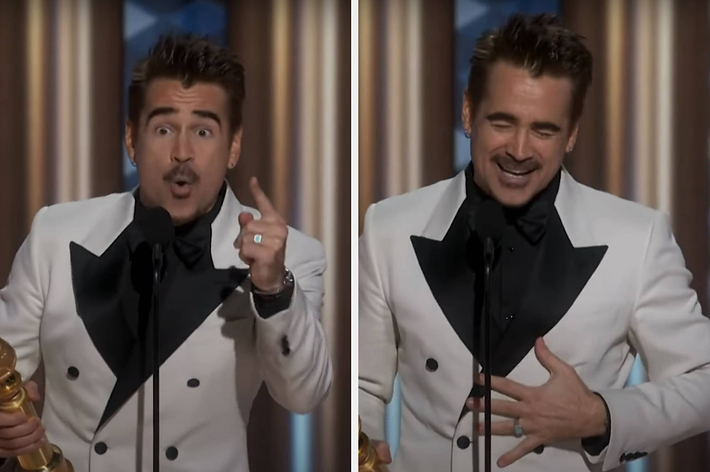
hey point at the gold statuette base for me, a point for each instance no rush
(366, 455)
(58, 463)
(14, 399)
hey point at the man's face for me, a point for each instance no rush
(182, 147)
(519, 131)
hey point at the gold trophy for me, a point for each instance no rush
(13, 398)
(366, 455)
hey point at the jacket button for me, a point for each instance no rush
(193, 383)
(100, 448)
(171, 453)
(73, 373)
(463, 442)
(285, 346)
(431, 364)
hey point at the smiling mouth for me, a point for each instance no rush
(516, 173)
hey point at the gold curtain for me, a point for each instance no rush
(406, 98)
(61, 100)
(297, 142)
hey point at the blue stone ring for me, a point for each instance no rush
(258, 238)
(518, 428)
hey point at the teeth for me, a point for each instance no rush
(513, 172)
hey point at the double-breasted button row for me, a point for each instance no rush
(171, 453)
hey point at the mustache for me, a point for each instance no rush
(182, 173)
(510, 163)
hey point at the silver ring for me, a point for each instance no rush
(258, 238)
(518, 428)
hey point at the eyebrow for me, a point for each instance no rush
(161, 111)
(209, 115)
(537, 125)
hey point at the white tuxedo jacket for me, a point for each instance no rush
(207, 384)
(610, 283)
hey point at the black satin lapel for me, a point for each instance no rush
(189, 299)
(184, 312)
(450, 279)
(98, 284)
(137, 367)
(560, 274)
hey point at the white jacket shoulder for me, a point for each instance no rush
(73, 216)
(407, 213)
(614, 219)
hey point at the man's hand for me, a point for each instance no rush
(561, 409)
(18, 433)
(383, 451)
(262, 243)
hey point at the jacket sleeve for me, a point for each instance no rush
(672, 336)
(291, 345)
(22, 303)
(376, 336)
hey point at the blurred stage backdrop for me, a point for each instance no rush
(644, 132)
(63, 80)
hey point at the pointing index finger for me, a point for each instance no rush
(262, 201)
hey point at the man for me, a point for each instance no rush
(240, 303)
(582, 281)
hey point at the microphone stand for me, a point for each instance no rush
(488, 253)
(157, 269)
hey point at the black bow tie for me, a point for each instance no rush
(532, 220)
(191, 241)
(189, 246)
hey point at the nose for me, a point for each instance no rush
(182, 149)
(519, 145)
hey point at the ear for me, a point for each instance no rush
(235, 149)
(466, 114)
(130, 140)
(572, 140)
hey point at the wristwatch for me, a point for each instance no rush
(286, 286)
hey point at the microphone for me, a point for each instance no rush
(490, 223)
(157, 226)
(159, 232)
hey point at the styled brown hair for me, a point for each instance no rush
(539, 44)
(189, 59)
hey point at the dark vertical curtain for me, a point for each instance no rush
(431, 99)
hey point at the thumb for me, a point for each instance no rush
(32, 391)
(547, 358)
(245, 218)
(383, 451)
